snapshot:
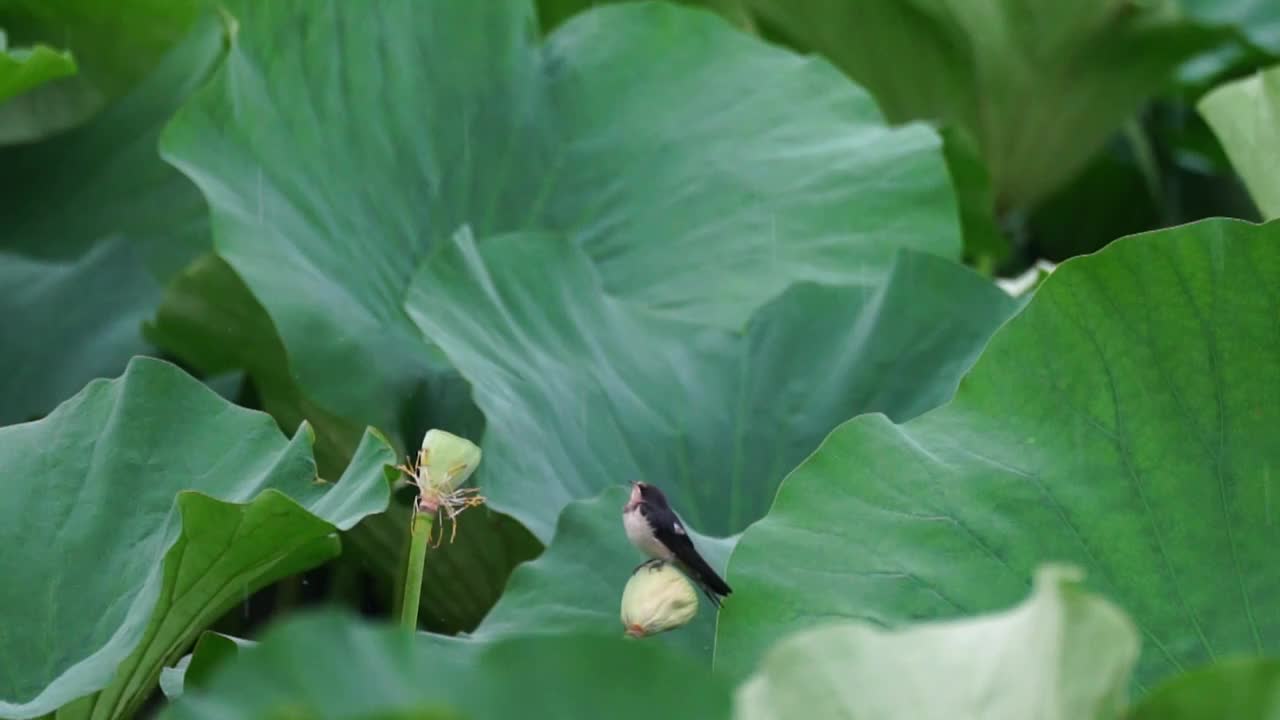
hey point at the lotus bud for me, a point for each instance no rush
(657, 598)
(446, 460)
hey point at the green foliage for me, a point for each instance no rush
(194, 670)
(334, 667)
(463, 579)
(714, 248)
(94, 223)
(1257, 22)
(1040, 86)
(54, 341)
(154, 506)
(56, 205)
(985, 244)
(1245, 114)
(24, 68)
(634, 376)
(1123, 422)
(355, 190)
(114, 45)
(210, 320)
(1231, 688)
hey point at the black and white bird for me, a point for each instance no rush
(655, 529)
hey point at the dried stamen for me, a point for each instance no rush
(440, 495)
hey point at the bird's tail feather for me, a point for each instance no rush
(711, 595)
(712, 584)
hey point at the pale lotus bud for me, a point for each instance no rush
(657, 598)
(446, 460)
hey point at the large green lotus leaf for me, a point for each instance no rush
(762, 167)
(1062, 654)
(68, 322)
(1245, 115)
(27, 67)
(1243, 689)
(335, 667)
(583, 391)
(115, 44)
(1039, 84)
(92, 219)
(1123, 422)
(140, 510)
(576, 585)
(64, 195)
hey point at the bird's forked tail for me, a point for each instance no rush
(712, 584)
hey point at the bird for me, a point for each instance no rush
(655, 529)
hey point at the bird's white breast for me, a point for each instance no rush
(641, 535)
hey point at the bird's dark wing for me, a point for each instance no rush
(668, 529)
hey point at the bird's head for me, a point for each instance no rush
(636, 497)
(642, 492)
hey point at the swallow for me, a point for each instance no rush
(655, 529)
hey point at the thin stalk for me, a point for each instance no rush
(1148, 166)
(419, 536)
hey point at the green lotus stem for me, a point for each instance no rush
(419, 535)
(444, 462)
